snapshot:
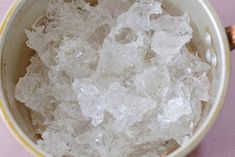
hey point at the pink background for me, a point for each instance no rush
(220, 142)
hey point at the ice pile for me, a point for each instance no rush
(114, 80)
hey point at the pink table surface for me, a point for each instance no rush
(220, 142)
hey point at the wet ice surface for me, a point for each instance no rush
(121, 84)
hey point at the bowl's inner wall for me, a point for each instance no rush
(15, 59)
(15, 54)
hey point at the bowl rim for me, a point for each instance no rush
(182, 151)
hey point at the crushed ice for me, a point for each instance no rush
(113, 80)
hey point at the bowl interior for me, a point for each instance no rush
(15, 54)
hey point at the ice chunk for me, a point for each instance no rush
(175, 108)
(178, 99)
(61, 85)
(123, 50)
(34, 88)
(76, 57)
(153, 82)
(58, 138)
(172, 33)
(201, 88)
(67, 110)
(126, 107)
(180, 112)
(118, 58)
(177, 25)
(196, 107)
(138, 16)
(194, 76)
(126, 45)
(185, 59)
(91, 102)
